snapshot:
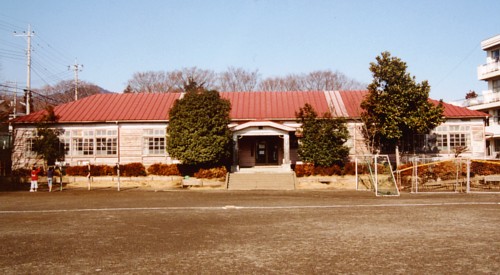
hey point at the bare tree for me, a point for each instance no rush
(62, 92)
(207, 78)
(322, 81)
(173, 81)
(315, 81)
(149, 82)
(290, 82)
(238, 79)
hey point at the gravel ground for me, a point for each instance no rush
(227, 232)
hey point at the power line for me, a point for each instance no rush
(458, 65)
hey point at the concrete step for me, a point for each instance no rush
(262, 181)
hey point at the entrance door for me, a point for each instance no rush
(266, 151)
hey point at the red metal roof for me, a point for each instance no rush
(273, 105)
(245, 106)
(451, 111)
(352, 101)
(112, 107)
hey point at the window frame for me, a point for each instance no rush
(154, 142)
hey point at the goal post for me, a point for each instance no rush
(374, 173)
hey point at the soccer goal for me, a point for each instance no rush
(374, 173)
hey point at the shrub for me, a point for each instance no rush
(217, 172)
(21, 172)
(134, 169)
(327, 171)
(127, 170)
(485, 169)
(77, 170)
(164, 169)
(407, 172)
(350, 168)
(445, 170)
(102, 170)
(304, 170)
(154, 169)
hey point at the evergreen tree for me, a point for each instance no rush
(128, 90)
(323, 139)
(47, 143)
(397, 108)
(198, 132)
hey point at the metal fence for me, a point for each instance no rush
(457, 175)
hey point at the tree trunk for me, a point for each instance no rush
(397, 156)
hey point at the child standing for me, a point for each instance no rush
(34, 179)
(50, 177)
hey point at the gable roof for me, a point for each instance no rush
(245, 106)
(111, 107)
(273, 105)
(453, 111)
(351, 102)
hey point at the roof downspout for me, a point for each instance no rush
(118, 153)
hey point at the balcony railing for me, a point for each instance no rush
(489, 96)
(488, 70)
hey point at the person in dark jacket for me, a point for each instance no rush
(50, 177)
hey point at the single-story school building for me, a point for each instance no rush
(106, 129)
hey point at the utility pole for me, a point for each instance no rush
(28, 35)
(76, 68)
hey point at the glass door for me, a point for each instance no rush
(261, 154)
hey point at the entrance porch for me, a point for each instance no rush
(261, 145)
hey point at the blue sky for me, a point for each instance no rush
(113, 39)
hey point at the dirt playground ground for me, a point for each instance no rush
(138, 231)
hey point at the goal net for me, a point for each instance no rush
(374, 173)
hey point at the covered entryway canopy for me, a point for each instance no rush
(261, 143)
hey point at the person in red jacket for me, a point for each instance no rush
(34, 179)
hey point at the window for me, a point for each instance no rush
(458, 139)
(449, 137)
(495, 55)
(154, 142)
(83, 142)
(66, 141)
(27, 142)
(495, 86)
(496, 116)
(106, 142)
(497, 145)
(442, 142)
(28, 147)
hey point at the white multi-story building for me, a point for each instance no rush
(489, 102)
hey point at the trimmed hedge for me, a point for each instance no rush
(211, 173)
(304, 170)
(135, 169)
(161, 169)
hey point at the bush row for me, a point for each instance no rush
(448, 170)
(304, 170)
(136, 170)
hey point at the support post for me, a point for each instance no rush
(286, 151)
(235, 164)
(118, 174)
